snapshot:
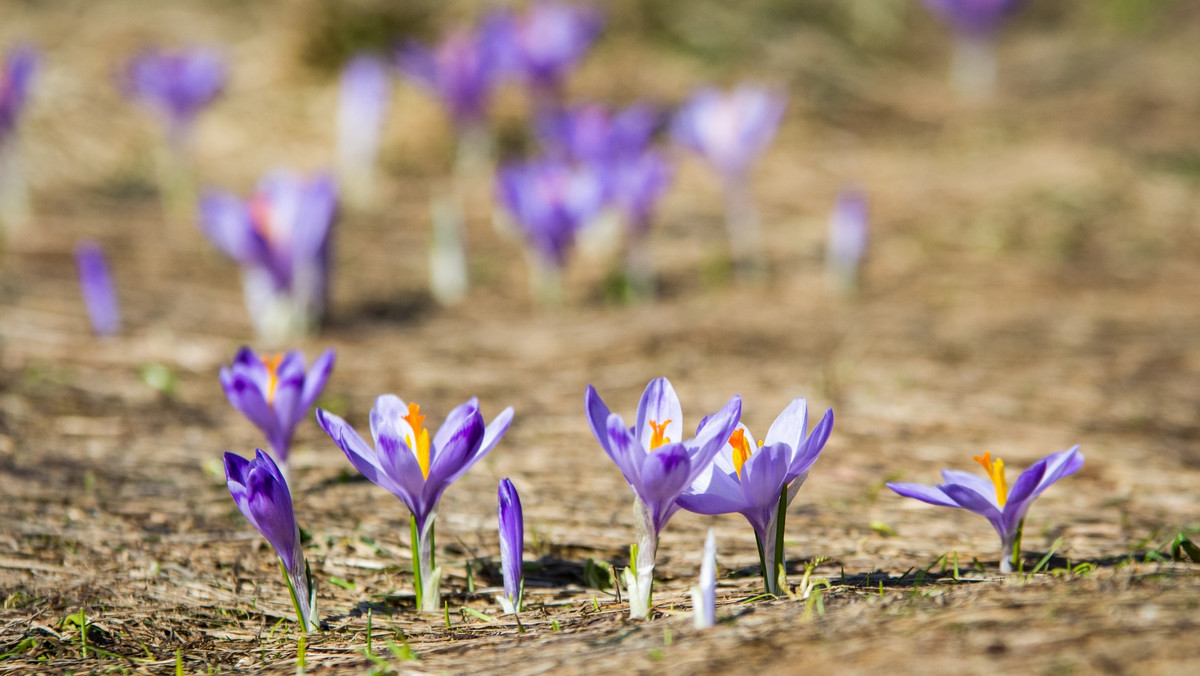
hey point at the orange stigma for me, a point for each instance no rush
(260, 216)
(272, 362)
(419, 442)
(741, 449)
(995, 471)
(658, 433)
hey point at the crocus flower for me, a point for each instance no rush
(591, 133)
(95, 282)
(992, 498)
(281, 238)
(275, 393)
(462, 71)
(546, 42)
(975, 24)
(16, 74)
(659, 465)
(416, 469)
(261, 493)
(365, 95)
(704, 602)
(759, 481)
(512, 546)
(847, 245)
(175, 85)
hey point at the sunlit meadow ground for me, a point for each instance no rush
(1033, 284)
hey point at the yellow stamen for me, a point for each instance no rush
(741, 450)
(995, 471)
(419, 444)
(272, 362)
(658, 433)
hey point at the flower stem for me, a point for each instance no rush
(780, 564)
(1011, 558)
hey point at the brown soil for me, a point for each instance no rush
(1033, 284)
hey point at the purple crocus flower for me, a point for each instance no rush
(975, 24)
(512, 546)
(95, 282)
(973, 17)
(281, 238)
(275, 393)
(365, 95)
(759, 481)
(704, 601)
(550, 201)
(591, 133)
(175, 85)
(545, 43)
(261, 493)
(729, 130)
(462, 71)
(659, 465)
(16, 73)
(1005, 508)
(416, 469)
(847, 246)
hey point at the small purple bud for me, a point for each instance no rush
(512, 546)
(847, 246)
(96, 283)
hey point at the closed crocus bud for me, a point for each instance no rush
(96, 285)
(512, 546)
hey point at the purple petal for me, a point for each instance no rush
(512, 538)
(804, 457)
(624, 450)
(315, 379)
(357, 451)
(664, 475)
(714, 434)
(452, 460)
(258, 489)
(764, 475)
(597, 415)
(95, 282)
(972, 501)
(660, 405)
(790, 426)
(931, 494)
(388, 408)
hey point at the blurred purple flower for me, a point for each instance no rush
(729, 130)
(973, 17)
(636, 184)
(991, 498)
(750, 479)
(544, 44)
(847, 246)
(512, 546)
(16, 73)
(95, 282)
(550, 200)
(275, 393)
(658, 464)
(261, 493)
(462, 71)
(175, 85)
(281, 238)
(365, 95)
(414, 468)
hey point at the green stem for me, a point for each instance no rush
(1016, 552)
(416, 556)
(295, 599)
(762, 563)
(780, 518)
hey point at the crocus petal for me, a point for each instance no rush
(714, 434)
(458, 454)
(664, 475)
(244, 394)
(512, 538)
(96, 285)
(315, 379)
(713, 491)
(979, 484)
(597, 415)
(930, 494)
(387, 408)
(660, 405)
(624, 450)
(803, 457)
(261, 494)
(763, 479)
(356, 449)
(968, 499)
(790, 426)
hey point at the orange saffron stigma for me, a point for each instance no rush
(741, 449)
(419, 443)
(260, 216)
(272, 362)
(995, 471)
(658, 432)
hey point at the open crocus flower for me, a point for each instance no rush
(95, 282)
(16, 74)
(512, 546)
(462, 72)
(544, 44)
(992, 498)
(975, 23)
(364, 97)
(281, 238)
(417, 469)
(175, 85)
(261, 493)
(659, 465)
(730, 131)
(760, 480)
(275, 393)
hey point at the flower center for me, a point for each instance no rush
(260, 217)
(419, 441)
(658, 433)
(741, 449)
(272, 362)
(995, 471)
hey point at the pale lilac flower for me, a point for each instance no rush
(261, 493)
(974, 17)
(593, 133)
(848, 236)
(281, 238)
(550, 201)
(462, 71)
(16, 74)
(512, 546)
(975, 24)
(364, 98)
(704, 601)
(729, 130)
(546, 42)
(991, 498)
(417, 469)
(275, 393)
(175, 85)
(659, 465)
(99, 295)
(759, 481)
